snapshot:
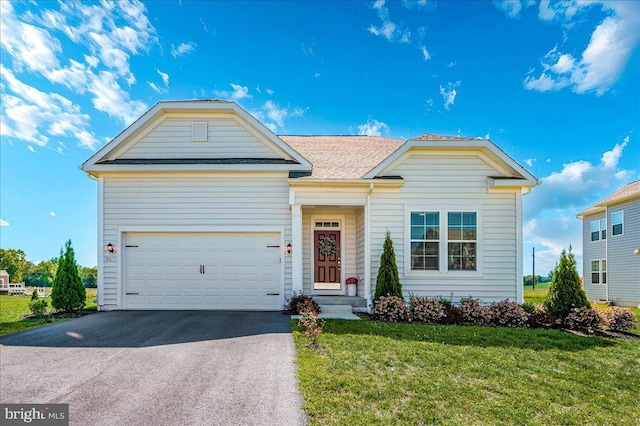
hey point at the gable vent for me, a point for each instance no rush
(199, 131)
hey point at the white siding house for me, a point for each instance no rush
(611, 247)
(201, 206)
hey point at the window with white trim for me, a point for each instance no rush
(462, 238)
(425, 241)
(617, 223)
(599, 271)
(598, 230)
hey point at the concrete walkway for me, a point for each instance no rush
(158, 368)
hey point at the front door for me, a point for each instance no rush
(326, 260)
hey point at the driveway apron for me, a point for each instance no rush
(158, 367)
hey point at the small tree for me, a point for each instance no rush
(67, 294)
(388, 282)
(565, 292)
(34, 294)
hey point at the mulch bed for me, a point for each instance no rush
(58, 315)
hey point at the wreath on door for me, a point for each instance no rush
(327, 247)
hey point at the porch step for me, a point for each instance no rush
(354, 301)
(336, 309)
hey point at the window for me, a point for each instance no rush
(617, 220)
(462, 241)
(595, 272)
(598, 230)
(599, 271)
(425, 241)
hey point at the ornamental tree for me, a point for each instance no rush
(67, 294)
(565, 292)
(388, 282)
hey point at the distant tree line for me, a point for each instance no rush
(41, 274)
(528, 279)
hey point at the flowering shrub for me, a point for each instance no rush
(292, 305)
(620, 318)
(309, 320)
(425, 310)
(539, 317)
(473, 313)
(391, 309)
(584, 318)
(508, 314)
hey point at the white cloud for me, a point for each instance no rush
(155, 88)
(388, 29)
(269, 91)
(451, 64)
(512, 8)
(30, 148)
(52, 213)
(317, 75)
(449, 94)
(425, 53)
(529, 161)
(602, 61)
(164, 76)
(373, 128)
(550, 208)
(238, 92)
(4, 222)
(183, 49)
(110, 98)
(277, 114)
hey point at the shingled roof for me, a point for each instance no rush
(343, 157)
(629, 191)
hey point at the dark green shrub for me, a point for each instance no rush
(293, 304)
(565, 292)
(388, 281)
(34, 295)
(68, 293)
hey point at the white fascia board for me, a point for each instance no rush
(351, 183)
(168, 107)
(106, 168)
(481, 145)
(497, 184)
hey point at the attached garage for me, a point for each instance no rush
(217, 270)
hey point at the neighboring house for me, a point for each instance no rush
(611, 247)
(201, 206)
(4, 279)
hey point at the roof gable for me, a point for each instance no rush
(627, 192)
(163, 136)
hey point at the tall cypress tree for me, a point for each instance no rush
(565, 292)
(388, 282)
(68, 293)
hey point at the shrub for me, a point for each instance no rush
(425, 310)
(34, 294)
(452, 313)
(472, 313)
(585, 318)
(309, 320)
(620, 318)
(67, 294)
(508, 314)
(565, 292)
(38, 307)
(391, 309)
(539, 317)
(387, 281)
(292, 305)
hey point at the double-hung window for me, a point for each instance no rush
(598, 229)
(425, 241)
(462, 237)
(617, 220)
(599, 271)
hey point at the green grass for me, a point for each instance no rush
(374, 373)
(14, 308)
(538, 295)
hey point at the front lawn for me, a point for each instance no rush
(378, 373)
(14, 308)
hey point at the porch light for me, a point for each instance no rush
(111, 249)
(289, 248)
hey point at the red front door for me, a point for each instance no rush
(327, 260)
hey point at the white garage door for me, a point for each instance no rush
(202, 271)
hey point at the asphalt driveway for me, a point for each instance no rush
(158, 367)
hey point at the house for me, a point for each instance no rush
(611, 247)
(201, 206)
(6, 287)
(4, 279)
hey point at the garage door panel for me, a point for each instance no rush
(164, 269)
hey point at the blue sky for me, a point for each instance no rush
(555, 84)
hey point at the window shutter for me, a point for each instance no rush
(199, 131)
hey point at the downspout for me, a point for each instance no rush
(367, 249)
